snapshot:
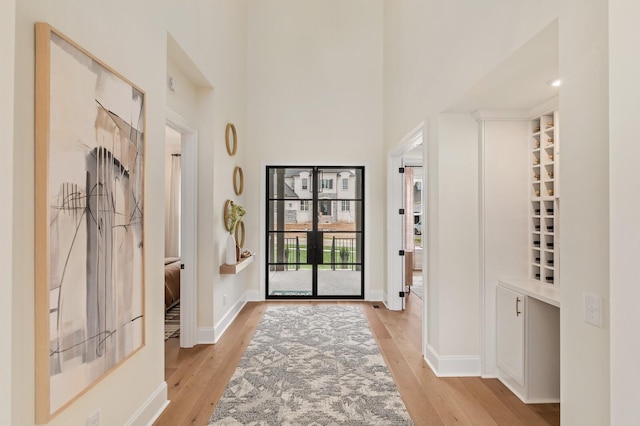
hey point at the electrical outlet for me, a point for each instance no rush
(593, 309)
(94, 419)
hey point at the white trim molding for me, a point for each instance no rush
(500, 114)
(253, 296)
(395, 236)
(189, 221)
(151, 409)
(375, 296)
(206, 336)
(211, 335)
(452, 365)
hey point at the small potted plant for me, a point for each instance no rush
(235, 216)
(236, 212)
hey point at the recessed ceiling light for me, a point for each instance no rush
(554, 82)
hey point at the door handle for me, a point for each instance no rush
(314, 244)
(517, 310)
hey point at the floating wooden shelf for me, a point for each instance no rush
(234, 269)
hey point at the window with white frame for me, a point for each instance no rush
(304, 205)
(305, 183)
(345, 184)
(345, 206)
(327, 184)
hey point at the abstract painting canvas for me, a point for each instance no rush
(89, 294)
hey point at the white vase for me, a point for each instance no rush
(230, 254)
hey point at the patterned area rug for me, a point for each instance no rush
(311, 365)
(172, 322)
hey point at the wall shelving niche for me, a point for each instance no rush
(545, 197)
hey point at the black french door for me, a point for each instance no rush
(315, 232)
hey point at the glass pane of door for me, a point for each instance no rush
(340, 222)
(289, 217)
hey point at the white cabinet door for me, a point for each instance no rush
(510, 333)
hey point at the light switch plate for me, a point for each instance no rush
(593, 309)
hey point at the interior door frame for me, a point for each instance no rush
(395, 238)
(188, 227)
(370, 295)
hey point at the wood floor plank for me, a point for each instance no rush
(530, 414)
(494, 405)
(197, 377)
(403, 363)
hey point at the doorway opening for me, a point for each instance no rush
(401, 216)
(413, 223)
(181, 227)
(315, 232)
(172, 228)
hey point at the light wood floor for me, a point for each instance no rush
(197, 377)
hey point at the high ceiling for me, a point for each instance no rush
(520, 82)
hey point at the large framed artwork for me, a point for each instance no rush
(89, 280)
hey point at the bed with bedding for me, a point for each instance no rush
(171, 281)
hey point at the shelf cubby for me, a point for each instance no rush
(536, 258)
(544, 197)
(535, 273)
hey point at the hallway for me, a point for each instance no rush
(197, 377)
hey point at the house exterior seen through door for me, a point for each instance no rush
(315, 232)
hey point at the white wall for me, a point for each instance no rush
(436, 50)
(224, 26)
(455, 281)
(584, 209)
(213, 34)
(624, 109)
(504, 217)
(7, 58)
(132, 39)
(315, 96)
(184, 100)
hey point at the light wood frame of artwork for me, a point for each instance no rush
(238, 180)
(89, 229)
(232, 145)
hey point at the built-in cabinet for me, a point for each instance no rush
(528, 350)
(528, 307)
(545, 197)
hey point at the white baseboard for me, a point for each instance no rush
(253, 296)
(211, 335)
(452, 365)
(151, 409)
(206, 336)
(375, 296)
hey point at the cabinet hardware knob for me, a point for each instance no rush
(517, 310)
